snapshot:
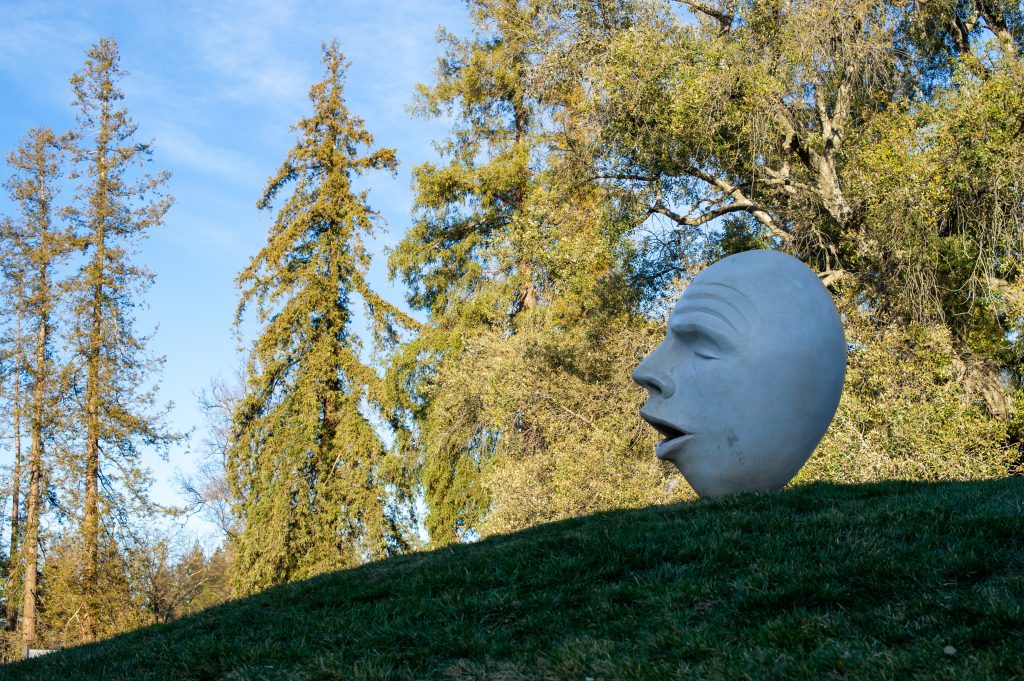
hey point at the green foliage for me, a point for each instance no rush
(471, 260)
(940, 189)
(823, 581)
(144, 580)
(906, 412)
(583, 452)
(516, 406)
(63, 621)
(304, 462)
(836, 133)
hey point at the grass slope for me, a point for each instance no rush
(822, 581)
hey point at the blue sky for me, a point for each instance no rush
(216, 86)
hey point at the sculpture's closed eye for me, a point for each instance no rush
(701, 343)
(706, 340)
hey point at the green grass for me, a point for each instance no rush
(821, 581)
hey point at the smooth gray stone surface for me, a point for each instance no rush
(749, 375)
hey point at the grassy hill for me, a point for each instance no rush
(822, 581)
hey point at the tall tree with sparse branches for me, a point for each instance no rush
(36, 246)
(305, 462)
(115, 209)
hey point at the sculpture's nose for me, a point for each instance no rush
(657, 382)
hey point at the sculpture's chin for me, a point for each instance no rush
(716, 473)
(712, 487)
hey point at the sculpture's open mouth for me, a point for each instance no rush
(673, 435)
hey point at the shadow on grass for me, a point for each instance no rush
(821, 580)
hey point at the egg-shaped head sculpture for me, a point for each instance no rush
(749, 375)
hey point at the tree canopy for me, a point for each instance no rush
(876, 141)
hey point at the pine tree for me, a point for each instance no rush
(35, 246)
(305, 462)
(15, 358)
(114, 211)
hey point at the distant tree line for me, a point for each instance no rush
(601, 152)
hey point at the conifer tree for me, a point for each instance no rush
(470, 257)
(35, 246)
(473, 209)
(114, 210)
(304, 460)
(16, 366)
(517, 410)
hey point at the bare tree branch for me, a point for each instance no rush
(830, 277)
(723, 17)
(625, 176)
(740, 202)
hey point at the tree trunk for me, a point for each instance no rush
(90, 527)
(91, 515)
(28, 608)
(11, 621)
(38, 415)
(527, 290)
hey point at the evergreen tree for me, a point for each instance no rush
(516, 410)
(36, 246)
(470, 255)
(304, 460)
(114, 211)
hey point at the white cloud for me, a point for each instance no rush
(180, 146)
(37, 37)
(244, 45)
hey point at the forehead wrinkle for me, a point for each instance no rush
(725, 304)
(689, 309)
(731, 296)
(711, 301)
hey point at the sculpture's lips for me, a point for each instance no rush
(674, 436)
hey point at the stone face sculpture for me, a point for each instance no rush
(749, 375)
